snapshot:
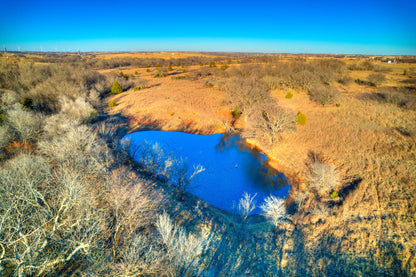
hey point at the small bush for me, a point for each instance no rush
(236, 113)
(116, 88)
(301, 118)
(184, 71)
(223, 67)
(112, 103)
(325, 94)
(334, 194)
(148, 70)
(338, 105)
(289, 95)
(28, 103)
(376, 79)
(159, 74)
(179, 77)
(212, 64)
(2, 117)
(345, 80)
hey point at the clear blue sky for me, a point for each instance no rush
(363, 27)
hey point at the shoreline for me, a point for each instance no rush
(273, 162)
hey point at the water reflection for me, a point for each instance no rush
(231, 166)
(257, 169)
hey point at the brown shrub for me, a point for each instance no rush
(376, 79)
(325, 94)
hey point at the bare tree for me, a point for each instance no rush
(246, 205)
(323, 177)
(274, 209)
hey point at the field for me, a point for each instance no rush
(341, 128)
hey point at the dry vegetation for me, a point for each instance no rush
(72, 202)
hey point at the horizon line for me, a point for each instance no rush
(195, 51)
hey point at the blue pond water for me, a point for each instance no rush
(231, 167)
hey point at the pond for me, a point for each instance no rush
(226, 167)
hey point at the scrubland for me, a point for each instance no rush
(341, 128)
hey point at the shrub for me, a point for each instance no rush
(148, 70)
(116, 88)
(26, 124)
(274, 209)
(289, 95)
(112, 103)
(334, 194)
(159, 74)
(246, 205)
(273, 82)
(247, 94)
(4, 136)
(94, 97)
(325, 94)
(9, 97)
(47, 212)
(301, 118)
(395, 96)
(179, 77)
(223, 67)
(323, 177)
(184, 71)
(366, 65)
(345, 80)
(140, 84)
(376, 79)
(28, 103)
(183, 249)
(78, 109)
(212, 64)
(236, 113)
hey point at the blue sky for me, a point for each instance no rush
(362, 27)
